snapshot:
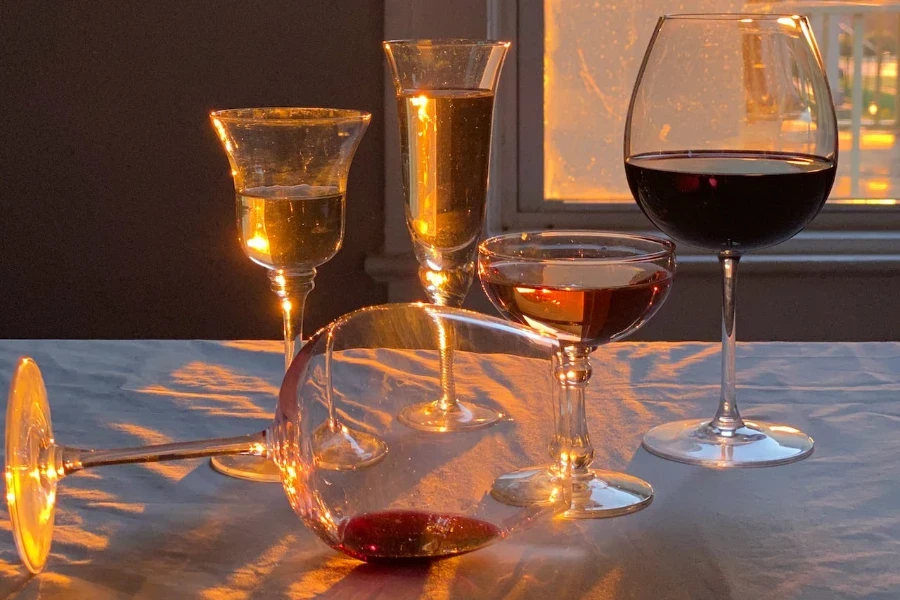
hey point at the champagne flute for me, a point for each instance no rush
(585, 288)
(290, 168)
(731, 145)
(445, 98)
(423, 501)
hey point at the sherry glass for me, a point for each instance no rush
(445, 98)
(428, 498)
(585, 288)
(731, 145)
(290, 168)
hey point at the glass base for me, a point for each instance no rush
(463, 416)
(247, 466)
(756, 444)
(30, 482)
(600, 495)
(340, 448)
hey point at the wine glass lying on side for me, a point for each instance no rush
(430, 497)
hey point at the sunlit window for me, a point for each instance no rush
(592, 53)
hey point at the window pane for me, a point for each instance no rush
(592, 52)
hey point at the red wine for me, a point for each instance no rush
(734, 201)
(407, 534)
(591, 304)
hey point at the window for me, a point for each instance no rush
(572, 71)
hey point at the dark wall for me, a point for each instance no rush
(117, 205)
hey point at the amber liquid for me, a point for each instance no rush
(445, 143)
(290, 227)
(406, 534)
(588, 305)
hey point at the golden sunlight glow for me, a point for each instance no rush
(259, 243)
(867, 201)
(258, 449)
(784, 429)
(436, 279)
(423, 150)
(873, 109)
(788, 21)
(869, 140)
(748, 20)
(10, 494)
(877, 185)
(47, 511)
(220, 129)
(555, 494)
(420, 102)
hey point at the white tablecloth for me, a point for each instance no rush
(825, 528)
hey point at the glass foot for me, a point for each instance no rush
(462, 416)
(247, 466)
(340, 448)
(754, 445)
(30, 456)
(601, 495)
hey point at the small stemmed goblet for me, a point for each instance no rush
(585, 288)
(445, 98)
(428, 498)
(731, 145)
(290, 168)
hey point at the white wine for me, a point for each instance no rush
(445, 141)
(291, 227)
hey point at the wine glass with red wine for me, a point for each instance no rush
(731, 145)
(428, 497)
(584, 288)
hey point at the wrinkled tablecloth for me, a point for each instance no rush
(821, 529)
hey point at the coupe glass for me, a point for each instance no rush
(290, 169)
(445, 98)
(428, 498)
(585, 288)
(731, 145)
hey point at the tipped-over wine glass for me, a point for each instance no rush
(585, 288)
(428, 498)
(731, 145)
(290, 168)
(445, 98)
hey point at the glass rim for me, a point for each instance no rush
(730, 16)
(450, 312)
(443, 42)
(293, 115)
(667, 246)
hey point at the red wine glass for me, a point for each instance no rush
(584, 288)
(731, 145)
(429, 496)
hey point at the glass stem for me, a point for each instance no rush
(446, 344)
(574, 453)
(727, 418)
(64, 460)
(446, 287)
(292, 287)
(560, 416)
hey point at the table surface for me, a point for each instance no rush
(825, 528)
